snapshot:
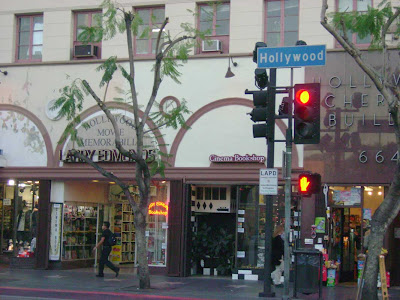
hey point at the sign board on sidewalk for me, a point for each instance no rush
(269, 182)
(296, 56)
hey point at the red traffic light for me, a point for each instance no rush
(303, 96)
(307, 113)
(309, 183)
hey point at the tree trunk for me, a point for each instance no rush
(382, 218)
(143, 268)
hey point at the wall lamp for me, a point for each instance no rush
(229, 73)
(4, 72)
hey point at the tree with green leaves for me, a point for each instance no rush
(169, 52)
(376, 23)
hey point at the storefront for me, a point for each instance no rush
(356, 158)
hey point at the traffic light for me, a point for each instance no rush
(263, 112)
(309, 183)
(307, 113)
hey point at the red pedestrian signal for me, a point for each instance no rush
(309, 183)
(307, 113)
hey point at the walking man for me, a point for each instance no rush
(105, 252)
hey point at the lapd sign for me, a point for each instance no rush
(268, 182)
(287, 57)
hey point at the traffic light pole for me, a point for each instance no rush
(269, 198)
(288, 193)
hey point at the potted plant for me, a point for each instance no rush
(215, 247)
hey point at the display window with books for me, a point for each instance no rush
(122, 224)
(80, 228)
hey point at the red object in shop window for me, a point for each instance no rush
(26, 254)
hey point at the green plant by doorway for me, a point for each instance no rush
(216, 244)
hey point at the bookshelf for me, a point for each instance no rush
(125, 249)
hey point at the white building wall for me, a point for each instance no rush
(224, 131)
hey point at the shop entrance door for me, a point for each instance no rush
(346, 241)
(213, 243)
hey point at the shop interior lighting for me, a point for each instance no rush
(379, 193)
(95, 181)
(11, 182)
(370, 193)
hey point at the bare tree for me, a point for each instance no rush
(375, 23)
(168, 52)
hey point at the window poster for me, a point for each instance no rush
(347, 198)
(367, 214)
(55, 231)
(320, 224)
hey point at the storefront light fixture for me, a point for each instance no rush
(36, 182)
(11, 182)
(95, 181)
(163, 181)
(370, 193)
(379, 193)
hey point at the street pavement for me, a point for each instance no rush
(17, 284)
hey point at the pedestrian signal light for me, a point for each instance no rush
(309, 183)
(307, 113)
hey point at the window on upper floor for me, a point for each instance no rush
(354, 5)
(214, 19)
(282, 22)
(152, 19)
(30, 38)
(86, 19)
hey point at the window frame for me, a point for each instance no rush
(31, 32)
(90, 13)
(224, 38)
(282, 17)
(353, 35)
(150, 37)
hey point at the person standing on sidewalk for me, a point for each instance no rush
(106, 250)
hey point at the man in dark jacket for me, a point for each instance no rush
(105, 252)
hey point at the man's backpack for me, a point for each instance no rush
(112, 240)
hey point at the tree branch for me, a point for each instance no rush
(128, 17)
(106, 174)
(353, 51)
(111, 117)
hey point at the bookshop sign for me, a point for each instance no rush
(98, 137)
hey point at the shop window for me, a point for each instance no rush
(26, 203)
(29, 38)
(282, 22)
(354, 5)
(157, 225)
(79, 232)
(214, 19)
(82, 50)
(122, 224)
(211, 193)
(146, 40)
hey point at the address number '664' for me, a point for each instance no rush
(379, 158)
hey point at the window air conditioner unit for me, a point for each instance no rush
(211, 45)
(85, 50)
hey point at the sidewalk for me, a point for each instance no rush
(75, 284)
